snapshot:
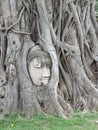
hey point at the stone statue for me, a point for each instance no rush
(39, 66)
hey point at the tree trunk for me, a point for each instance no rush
(64, 30)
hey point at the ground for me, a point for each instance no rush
(78, 121)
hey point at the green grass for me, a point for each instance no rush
(40, 122)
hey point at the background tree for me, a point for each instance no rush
(67, 30)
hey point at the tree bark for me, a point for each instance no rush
(67, 31)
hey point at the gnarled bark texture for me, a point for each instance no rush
(68, 31)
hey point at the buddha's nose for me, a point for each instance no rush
(46, 72)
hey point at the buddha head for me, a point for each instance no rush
(39, 66)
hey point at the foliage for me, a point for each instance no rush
(96, 8)
(79, 121)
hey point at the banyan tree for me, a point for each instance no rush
(48, 56)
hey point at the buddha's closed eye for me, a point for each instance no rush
(38, 66)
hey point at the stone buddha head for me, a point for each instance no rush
(39, 66)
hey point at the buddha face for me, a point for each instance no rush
(39, 69)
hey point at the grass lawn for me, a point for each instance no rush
(40, 122)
